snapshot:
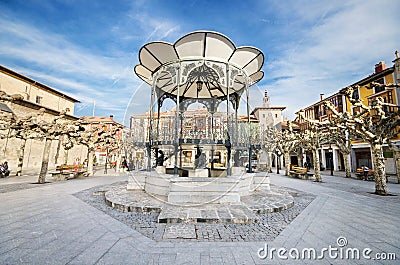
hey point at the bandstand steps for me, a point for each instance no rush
(207, 214)
(245, 211)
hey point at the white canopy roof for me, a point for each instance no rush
(200, 46)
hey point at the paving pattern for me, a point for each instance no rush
(261, 201)
(266, 226)
(48, 224)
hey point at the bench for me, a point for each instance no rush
(299, 172)
(65, 172)
(360, 174)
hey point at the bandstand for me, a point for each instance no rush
(203, 147)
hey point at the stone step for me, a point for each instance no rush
(245, 211)
(215, 213)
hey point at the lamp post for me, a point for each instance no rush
(331, 158)
(250, 155)
(278, 154)
(105, 165)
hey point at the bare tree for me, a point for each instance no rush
(375, 125)
(270, 145)
(313, 138)
(48, 131)
(98, 137)
(24, 129)
(113, 144)
(18, 127)
(287, 141)
(128, 145)
(310, 140)
(89, 138)
(341, 131)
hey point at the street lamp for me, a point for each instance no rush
(331, 158)
(250, 157)
(278, 154)
(105, 165)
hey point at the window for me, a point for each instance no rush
(379, 89)
(356, 95)
(276, 115)
(39, 100)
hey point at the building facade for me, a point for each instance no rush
(268, 116)
(367, 92)
(35, 97)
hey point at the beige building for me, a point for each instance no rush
(35, 92)
(107, 124)
(267, 115)
(35, 96)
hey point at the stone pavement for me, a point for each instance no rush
(260, 201)
(46, 224)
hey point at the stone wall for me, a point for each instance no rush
(34, 152)
(34, 148)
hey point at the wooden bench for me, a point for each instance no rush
(299, 172)
(65, 172)
(360, 174)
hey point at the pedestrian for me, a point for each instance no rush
(125, 164)
(4, 169)
(366, 171)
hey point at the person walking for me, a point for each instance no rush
(366, 171)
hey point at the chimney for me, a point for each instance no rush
(112, 117)
(322, 96)
(379, 67)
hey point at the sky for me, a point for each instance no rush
(88, 49)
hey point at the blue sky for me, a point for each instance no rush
(88, 49)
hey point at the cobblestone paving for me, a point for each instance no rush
(266, 228)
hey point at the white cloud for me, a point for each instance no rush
(340, 49)
(49, 49)
(51, 59)
(330, 44)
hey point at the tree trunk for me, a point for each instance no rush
(21, 154)
(287, 163)
(66, 156)
(379, 169)
(90, 161)
(300, 161)
(45, 161)
(269, 161)
(118, 162)
(58, 149)
(278, 162)
(396, 156)
(300, 158)
(347, 165)
(317, 171)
